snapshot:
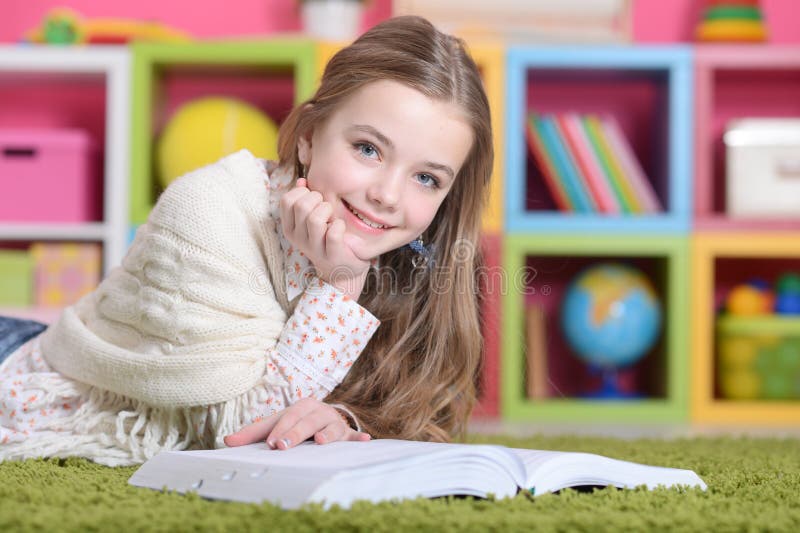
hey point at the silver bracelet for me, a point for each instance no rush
(349, 413)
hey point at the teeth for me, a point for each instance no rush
(365, 220)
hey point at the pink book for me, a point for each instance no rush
(589, 165)
(630, 165)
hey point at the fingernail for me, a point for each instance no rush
(286, 443)
(271, 443)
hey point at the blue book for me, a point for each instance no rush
(565, 166)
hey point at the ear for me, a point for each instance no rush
(304, 148)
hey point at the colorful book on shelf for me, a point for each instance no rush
(630, 165)
(566, 170)
(624, 191)
(591, 171)
(546, 166)
(572, 163)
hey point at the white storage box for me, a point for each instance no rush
(763, 167)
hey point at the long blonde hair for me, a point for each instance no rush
(416, 377)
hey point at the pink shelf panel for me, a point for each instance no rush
(734, 82)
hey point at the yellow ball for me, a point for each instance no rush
(747, 300)
(204, 130)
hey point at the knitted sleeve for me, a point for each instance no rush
(182, 321)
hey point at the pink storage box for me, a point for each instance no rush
(48, 175)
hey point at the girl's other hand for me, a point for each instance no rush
(304, 419)
(309, 225)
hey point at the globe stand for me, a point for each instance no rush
(610, 389)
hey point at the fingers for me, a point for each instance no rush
(300, 422)
(287, 202)
(334, 238)
(317, 224)
(252, 433)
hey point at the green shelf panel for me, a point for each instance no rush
(673, 407)
(297, 56)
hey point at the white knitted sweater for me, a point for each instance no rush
(170, 347)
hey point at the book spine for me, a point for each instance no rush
(536, 355)
(574, 166)
(575, 190)
(589, 166)
(631, 166)
(546, 166)
(601, 149)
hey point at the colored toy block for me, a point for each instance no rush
(16, 285)
(64, 272)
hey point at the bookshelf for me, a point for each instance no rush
(273, 75)
(538, 269)
(734, 82)
(647, 89)
(88, 89)
(721, 260)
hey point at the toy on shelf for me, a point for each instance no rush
(64, 272)
(732, 21)
(611, 316)
(16, 289)
(65, 26)
(205, 129)
(750, 299)
(759, 341)
(757, 298)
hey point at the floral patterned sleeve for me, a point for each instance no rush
(320, 342)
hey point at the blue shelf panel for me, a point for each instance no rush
(560, 222)
(674, 62)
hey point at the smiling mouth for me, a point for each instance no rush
(364, 219)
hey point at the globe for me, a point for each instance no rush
(611, 317)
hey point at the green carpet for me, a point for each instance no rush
(754, 484)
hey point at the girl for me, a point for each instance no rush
(330, 295)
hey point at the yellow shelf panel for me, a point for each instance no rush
(706, 247)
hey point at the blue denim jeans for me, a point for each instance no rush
(14, 332)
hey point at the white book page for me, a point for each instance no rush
(374, 470)
(551, 471)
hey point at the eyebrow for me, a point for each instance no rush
(366, 128)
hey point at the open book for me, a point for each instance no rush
(377, 470)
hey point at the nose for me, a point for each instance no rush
(386, 190)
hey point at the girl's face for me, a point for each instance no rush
(391, 154)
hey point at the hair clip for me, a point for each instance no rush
(424, 254)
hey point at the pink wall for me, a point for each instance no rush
(674, 20)
(654, 20)
(201, 19)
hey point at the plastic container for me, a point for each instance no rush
(48, 175)
(758, 358)
(763, 168)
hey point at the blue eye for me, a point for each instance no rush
(431, 182)
(366, 149)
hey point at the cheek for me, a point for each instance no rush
(421, 215)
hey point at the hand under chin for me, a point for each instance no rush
(356, 245)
